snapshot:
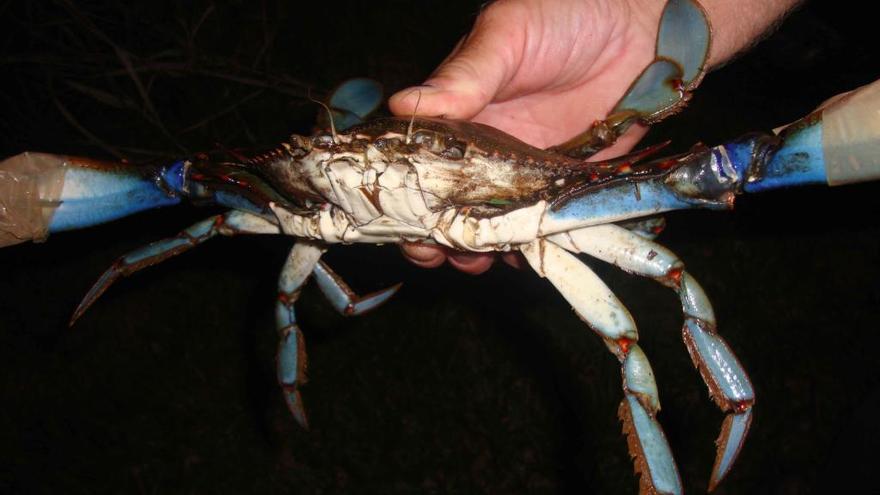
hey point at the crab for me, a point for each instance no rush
(472, 188)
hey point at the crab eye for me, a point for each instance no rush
(322, 141)
(454, 149)
(387, 143)
(424, 138)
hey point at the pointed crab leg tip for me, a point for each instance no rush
(97, 290)
(373, 301)
(730, 442)
(295, 406)
(78, 312)
(302, 420)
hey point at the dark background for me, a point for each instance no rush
(460, 384)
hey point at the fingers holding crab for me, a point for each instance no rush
(432, 256)
(728, 383)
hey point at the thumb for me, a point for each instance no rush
(469, 79)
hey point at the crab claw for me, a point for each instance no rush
(663, 87)
(682, 52)
(351, 102)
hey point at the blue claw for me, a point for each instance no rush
(354, 100)
(44, 193)
(649, 448)
(342, 298)
(663, 88)
(654, 93)
(98, 192)
(684, 37)
(682, 51)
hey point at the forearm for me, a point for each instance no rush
(737, 25)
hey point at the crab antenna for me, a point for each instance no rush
(329, 115)
(412, 118)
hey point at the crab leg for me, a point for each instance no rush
(291, 358)
(839, 144)
(343, 299)
(231, 223)
(728, 383)
(594, 303)
(302, 261)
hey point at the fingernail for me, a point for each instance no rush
(474, 264)
(423, 90)
(419, 252)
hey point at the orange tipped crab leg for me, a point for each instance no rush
(728, 382)
(303, 261)
(594, 303)
(291, 358)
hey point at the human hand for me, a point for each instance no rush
(541, 71)
(545, 71)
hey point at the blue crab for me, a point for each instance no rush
(472, 188)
